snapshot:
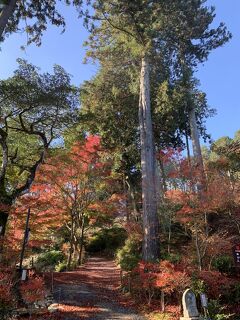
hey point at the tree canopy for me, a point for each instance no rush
(35, 110)
(31, 16)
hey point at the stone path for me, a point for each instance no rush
(92, 293)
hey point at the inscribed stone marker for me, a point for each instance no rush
(190, 311)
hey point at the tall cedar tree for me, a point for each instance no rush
(193, 43)
(135, 23)
(108, 109)
(146, 27)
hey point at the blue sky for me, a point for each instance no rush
(219, 76)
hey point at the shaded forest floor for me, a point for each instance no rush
(92, 292)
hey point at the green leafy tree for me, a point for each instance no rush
(35, 110)
(224, 153)
(36, 15)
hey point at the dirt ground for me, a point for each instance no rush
(92, 292)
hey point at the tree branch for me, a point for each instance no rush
(33, 170)
(5, 15)
(117, 27)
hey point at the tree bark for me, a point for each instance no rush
(190, 163)
(163, 176)
(162, 301)
(81, 242)
(188, 151)
(126, 200)
(5, 205)
(3, 222)
(69, 261)
(199, 258)
(4, 147)
(197, 153)
(8, 200)
(25, 239)
(169, 233)
(6, 14)
(151, 243)
(159, 184)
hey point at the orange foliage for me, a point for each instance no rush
(6, 283)
(170, 279)
(217, 283)
(65, 181)
(163, 275)
(32, 290)
(177, 196)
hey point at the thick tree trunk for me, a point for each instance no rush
(189, 163)
(188, 151)
(197, 153)
(151, 245)
(6, 14)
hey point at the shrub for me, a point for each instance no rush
(172, 280)
(217, 284)
(234, 295)
(106, 240)
(7, 299)
(172, 257)
(198, 285)
(6, 296)
(129, 255)
(151, 278)
(216, 311)
(74, 265)
(48, 260)
(61, 266)
(96, 243)
(224, 264)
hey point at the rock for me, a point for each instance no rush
(22, 311)
(41, 304)
(53, 307)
